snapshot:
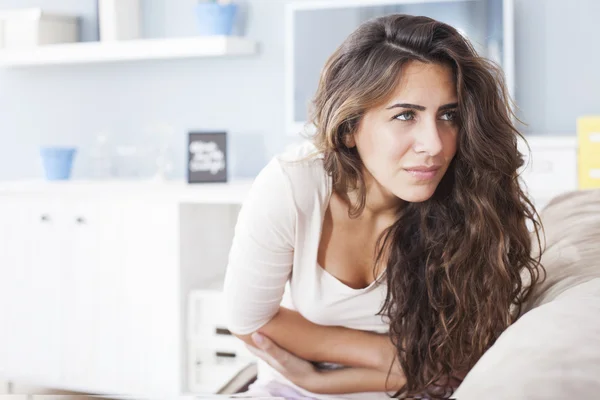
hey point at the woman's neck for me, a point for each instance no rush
(379, 201)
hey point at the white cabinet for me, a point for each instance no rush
(93, 287)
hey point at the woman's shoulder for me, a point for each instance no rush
(299, 170)
(303, 166)
(301, 159)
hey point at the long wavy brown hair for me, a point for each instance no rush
(459, 264)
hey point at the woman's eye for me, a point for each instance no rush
(405, 116)
(449, 116)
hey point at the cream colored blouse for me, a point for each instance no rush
(273, 259)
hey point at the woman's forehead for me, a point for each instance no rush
(424, 84)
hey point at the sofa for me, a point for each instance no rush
(552, 351)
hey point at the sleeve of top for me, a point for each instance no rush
(261, 256)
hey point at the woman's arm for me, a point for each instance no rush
(333, 344)
(356, 380)
(306, 376)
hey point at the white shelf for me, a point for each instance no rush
(131, 50)
(233, 192)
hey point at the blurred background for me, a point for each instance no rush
(130, 102)
(132, 129)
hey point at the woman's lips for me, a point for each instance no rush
(423, 172)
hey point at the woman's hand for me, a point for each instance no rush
(300, 372)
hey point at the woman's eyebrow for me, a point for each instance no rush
(421, 108)
(406, 105)
(448, 106)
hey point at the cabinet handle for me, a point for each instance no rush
(45, 218)
(80, 220)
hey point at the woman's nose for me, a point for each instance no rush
(428, 140)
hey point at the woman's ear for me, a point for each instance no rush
(349, 140)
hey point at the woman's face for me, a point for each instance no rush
(407, 143)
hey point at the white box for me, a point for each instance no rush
(214, 355)
(119, 19)
(551, 168)
(22, 28)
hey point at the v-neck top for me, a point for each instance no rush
(273, 259)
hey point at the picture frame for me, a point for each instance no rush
(207, 157)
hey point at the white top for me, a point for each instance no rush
(273, 259)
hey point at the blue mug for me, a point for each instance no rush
(215, 19)
(57, 162)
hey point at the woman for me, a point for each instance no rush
(397, 239)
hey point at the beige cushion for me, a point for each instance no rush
(553, 351)
(572, 254)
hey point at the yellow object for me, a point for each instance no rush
(589, 176)
(588, 134)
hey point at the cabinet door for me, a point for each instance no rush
(13, 286)
(151, 325)
(93, 297)
(32, 262)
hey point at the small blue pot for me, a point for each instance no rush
(215, 19)
(57, 162)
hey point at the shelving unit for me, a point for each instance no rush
(132, 50)
(97, 276)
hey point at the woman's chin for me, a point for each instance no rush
(417, 194)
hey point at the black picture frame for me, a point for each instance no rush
(207, 157)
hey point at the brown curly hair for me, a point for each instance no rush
(459, 264)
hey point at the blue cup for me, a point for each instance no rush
(215, 19)
(57, 162)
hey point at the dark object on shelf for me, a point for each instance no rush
(207, 157)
